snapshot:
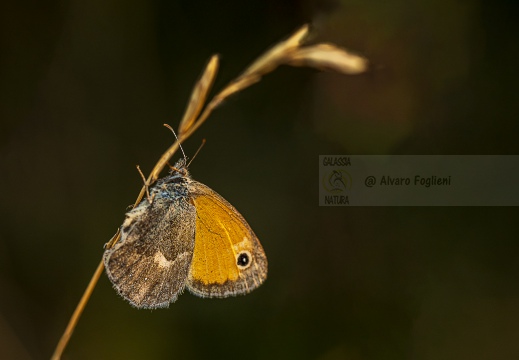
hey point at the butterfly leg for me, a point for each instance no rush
(150, 199)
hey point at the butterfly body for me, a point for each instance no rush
(184, 235)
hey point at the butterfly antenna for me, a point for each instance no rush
(199, 148)
(176, 137)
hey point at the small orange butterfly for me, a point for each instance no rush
(184, 235)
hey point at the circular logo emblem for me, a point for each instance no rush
(337, 181)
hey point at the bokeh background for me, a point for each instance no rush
(85, 88)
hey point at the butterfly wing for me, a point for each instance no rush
(149, 265)
(228, 258)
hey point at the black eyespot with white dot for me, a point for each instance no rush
(243, 260)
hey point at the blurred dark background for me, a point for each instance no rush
(84, 90)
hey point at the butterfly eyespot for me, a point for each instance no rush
(243, 260)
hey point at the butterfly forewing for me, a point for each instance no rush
(228, 258)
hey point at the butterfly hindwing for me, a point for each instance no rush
(150, 263)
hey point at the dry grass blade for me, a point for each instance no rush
(264, 64)
(274, 57)
(289, 52)
(199, 95)
(234, 87)
(67, 334)
(327, 56)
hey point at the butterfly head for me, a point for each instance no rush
(179, 169)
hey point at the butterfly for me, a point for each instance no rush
(184, 235)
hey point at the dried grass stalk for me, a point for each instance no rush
(288, 52)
